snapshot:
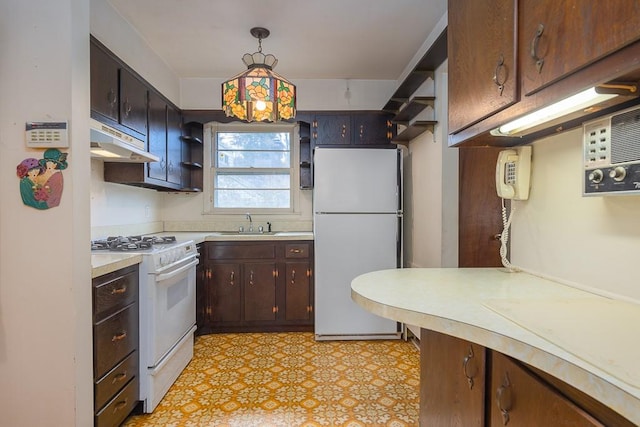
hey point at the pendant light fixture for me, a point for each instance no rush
(259, 94)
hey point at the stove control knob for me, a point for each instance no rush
(618, 173)
(596, 176)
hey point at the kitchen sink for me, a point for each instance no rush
(246, 233)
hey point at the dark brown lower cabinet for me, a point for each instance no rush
(260, 288)
(520, 399)
(452, 381)
(256, 286)
(465, 384)
(115, 346)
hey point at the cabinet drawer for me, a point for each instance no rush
(242, 251)
(114, 338)
(112, 292)
(296, 250)
(119, 408)
(107, 386)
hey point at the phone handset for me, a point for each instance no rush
(512, 173)
(512, 182)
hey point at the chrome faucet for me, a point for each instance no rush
(248, 216)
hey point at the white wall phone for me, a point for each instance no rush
(512, 173)
(513, 170)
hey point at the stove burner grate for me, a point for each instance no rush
(130, 243)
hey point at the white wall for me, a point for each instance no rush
(116, 34)
(45, 279)
(431, 189)
(120, 209)
(588, 241)
(204, 94)
(116, 208)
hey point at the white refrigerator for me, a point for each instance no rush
(357, 203)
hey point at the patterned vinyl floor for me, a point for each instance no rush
(289, 379)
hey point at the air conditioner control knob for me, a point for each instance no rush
(618, 173)
(596, 176)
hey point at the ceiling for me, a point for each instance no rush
(312, 39)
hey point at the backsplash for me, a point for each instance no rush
(120, 209)
(591, 242)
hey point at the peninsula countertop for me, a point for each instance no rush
(586, 340)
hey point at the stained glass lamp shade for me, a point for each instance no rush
(259, 94)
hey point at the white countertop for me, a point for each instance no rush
(211, 236)
(106, 262)
(586, 340)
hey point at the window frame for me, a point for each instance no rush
(211, 131)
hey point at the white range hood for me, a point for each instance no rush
(112, 145)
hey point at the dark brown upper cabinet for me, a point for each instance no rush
(351, 128)
(559, 37)
(483, 75)
(104, 84)
(561, 48)
(133, 102)
(118, 97)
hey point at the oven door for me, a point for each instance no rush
(170, 309)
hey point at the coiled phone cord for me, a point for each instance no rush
(504, 236)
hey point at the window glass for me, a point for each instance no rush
(252, 170)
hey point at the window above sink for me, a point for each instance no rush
(251, 166)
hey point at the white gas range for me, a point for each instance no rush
(167, 298)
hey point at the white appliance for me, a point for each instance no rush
(357, 224)
(167, 299)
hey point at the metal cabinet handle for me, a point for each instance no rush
(120, 290)
(251, 278)
(112, 99)
(231, 278)
(534, 48)
(469, 369)
(119, 377)
(503, 399)
(119, 405)
(119, 337)
(496, 79)
(344, 131)
(127, 108)
(294, 251)
(293, 277)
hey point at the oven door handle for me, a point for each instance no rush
(167, 276)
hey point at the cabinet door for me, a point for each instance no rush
(371, 129)
(104, 83)
(225, 293)
(332, 129)
(260, 291)
(133, 102)
(482, 60)
(452, 381)
(560, 37)
(479, 219)
(521, 400)
(157, 136)
(297, 291)
(201, 290)
(174, 145)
